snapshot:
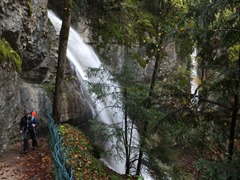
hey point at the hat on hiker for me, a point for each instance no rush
(26, 111)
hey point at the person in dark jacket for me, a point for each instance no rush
(27, 127)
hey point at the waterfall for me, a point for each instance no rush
(194, 81)
(83, 57)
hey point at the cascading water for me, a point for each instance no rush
(194, 82)
(83, 57)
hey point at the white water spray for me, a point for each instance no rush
(194, 81)
(83, 57)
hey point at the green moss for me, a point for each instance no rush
(28, 4)
(8, 54)
(30, 7)
(50, 23)
(68, 4)
(49, 88)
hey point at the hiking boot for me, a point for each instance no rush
(34, 148)
(25, 151)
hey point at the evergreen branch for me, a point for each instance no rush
(213, 102)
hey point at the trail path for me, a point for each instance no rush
(36, 165)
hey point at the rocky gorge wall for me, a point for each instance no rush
(24, 25)
(20, 28)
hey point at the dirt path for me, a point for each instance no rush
(36, 165)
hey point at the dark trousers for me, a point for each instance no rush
(32, 134)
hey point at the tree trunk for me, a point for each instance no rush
(148, 106)
(62, 51)
(234, 113)
(126, 143)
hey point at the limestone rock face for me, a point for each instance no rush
(9, 104)
(76, 104)
(34, 97)
(25, 26)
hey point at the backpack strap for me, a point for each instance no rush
(32, 118)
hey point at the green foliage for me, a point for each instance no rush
(70, 78)
(104, 133)
(7, 54)
(49, 88)
(218, 170)
(233, 52)
(81, 156)
(79, 8)
(28, 3)
(100, 88)
(211, 27)
(109, 2)
(117, 22)
(30, 8)
(68, 4)
(15, 139)
(142, 62)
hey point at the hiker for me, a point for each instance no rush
(27, 127)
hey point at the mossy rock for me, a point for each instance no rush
(7, 54)
(49, 88)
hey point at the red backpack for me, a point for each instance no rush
(34, 117)
(34, 114)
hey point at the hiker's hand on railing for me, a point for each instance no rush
(33, 125)
(21, 131)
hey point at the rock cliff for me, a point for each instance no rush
(24, 82)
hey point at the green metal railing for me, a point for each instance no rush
(59, 154)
